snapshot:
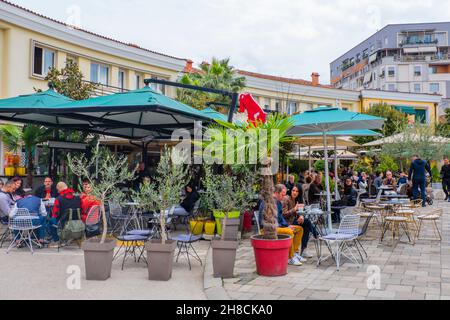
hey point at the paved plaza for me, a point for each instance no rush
(420, 271)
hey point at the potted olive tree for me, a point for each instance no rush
(160, 196)
(105, 171)
(229, 192)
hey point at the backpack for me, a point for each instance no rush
(72, 229)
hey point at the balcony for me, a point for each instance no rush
(104, 90)
(418, 42)
(421, 58)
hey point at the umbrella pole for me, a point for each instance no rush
(336, 179)
(327, 181)
(310, 160)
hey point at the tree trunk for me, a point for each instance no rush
(270, 223)
(162, 223)
(30, 169)
(105, 223)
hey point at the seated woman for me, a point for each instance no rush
(187, 205)
(284, 228)
(291, 205)
(350, 194)
(87, 200)
(363, 185)
(390, 180)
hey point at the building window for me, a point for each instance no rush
(391, 87)
(121, 82)
(433, 70)
(267, 103)
(417, 88)
(99, 74)
(158, 87)
(365, 53)
(391, 71)
(43, 60)
(386, 41)
(292, 107)
(278, 106)
(417, 71)
(434, 88)
(138, 81)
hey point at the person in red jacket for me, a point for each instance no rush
(87, 200)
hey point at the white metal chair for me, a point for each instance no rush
(347, 233)
(118, 219)
(22, 226)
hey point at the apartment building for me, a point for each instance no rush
(30, 44)
(408, 58)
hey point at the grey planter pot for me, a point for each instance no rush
(232, 229)
(160, 259)
(98, 259)
(224, 257)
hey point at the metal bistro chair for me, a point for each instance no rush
(6, 235)
(119, 220)
(433, 217)
(22, 225)
(185, 247)
(93, 222)
(348, 232)
(133, 245)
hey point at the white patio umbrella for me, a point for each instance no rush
(328, 119)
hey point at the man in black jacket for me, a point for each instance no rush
(445, 175)
(47, 191)
(417, 173)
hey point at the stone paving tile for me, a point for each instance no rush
(420, 271)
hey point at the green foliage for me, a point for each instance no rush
(232, 191)
(69, 82)
(363, 164)
(217, 75)
(319, 165)
(11, 136)
(396, 121)
(165, 191)
(436, 174)
(387, 164)
(110, 171)
(418, 139)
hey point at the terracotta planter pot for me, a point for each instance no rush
(160, 259)
(98, 259)
(224, 257)
(271, 255)
(232, 229)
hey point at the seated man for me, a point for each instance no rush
(35, 207)
(47, 191)
(296, 232)
(315, 189)
(66, 200)
(6, 200)
(87, 200)
(188, 203)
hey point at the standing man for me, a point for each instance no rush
(445, 175)
(418, 176)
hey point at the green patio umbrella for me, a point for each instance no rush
(211, 113)
(135, 115)
(328, 119)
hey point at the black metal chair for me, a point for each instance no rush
(185, 247)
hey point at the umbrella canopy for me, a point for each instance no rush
(132, 115)
(317, 141)
(345, 133)
(213, 114)
(403, 137)
(325, 119)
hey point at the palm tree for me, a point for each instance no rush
(215, 75)
(32, 135)
(266, 139)
(11, 136)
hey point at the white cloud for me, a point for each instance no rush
(289, 38)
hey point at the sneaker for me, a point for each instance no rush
(294, 262)
(307, 255)
(53, 245)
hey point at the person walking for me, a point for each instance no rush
(445, 175)
(417, 174)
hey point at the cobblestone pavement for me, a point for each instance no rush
(420, 271)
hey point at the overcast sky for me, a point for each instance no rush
(290, 38)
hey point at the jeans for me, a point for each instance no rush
(53, 230)
(308, 228)
(180, 211)
(419, 183)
